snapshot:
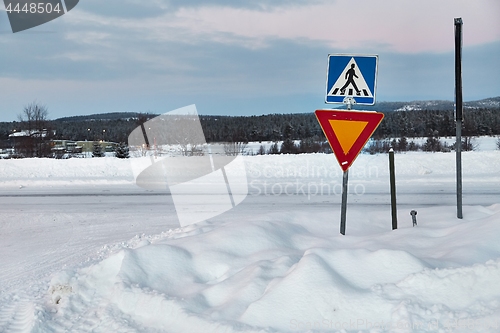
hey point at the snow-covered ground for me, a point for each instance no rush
(484, 143)
(83, 249)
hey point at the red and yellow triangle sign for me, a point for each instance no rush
(348, 131)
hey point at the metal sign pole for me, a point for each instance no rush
(343, 209)
(349, 101)
(458, 111)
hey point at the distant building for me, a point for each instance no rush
(19, 140)
(31, 134)
(34, 143)
(88, 146)
(66, 146)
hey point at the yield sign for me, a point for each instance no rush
(348, 131)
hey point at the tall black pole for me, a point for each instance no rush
(458, 110)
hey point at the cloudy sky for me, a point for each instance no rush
(241, 57)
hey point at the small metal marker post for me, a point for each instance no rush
(413, 214)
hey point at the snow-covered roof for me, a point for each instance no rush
(24, 133)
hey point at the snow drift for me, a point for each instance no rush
(287, 274)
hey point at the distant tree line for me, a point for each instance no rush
(287, 128)
(277, 127)
(431, 144)
(425, 123)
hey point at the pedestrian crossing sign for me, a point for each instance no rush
(350, 75)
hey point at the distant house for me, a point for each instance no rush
(34, 143)
(31, 134)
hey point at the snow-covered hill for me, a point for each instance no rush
(488, 103)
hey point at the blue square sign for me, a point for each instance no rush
(351, 75)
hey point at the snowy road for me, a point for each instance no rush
(44, 232)
(67, 226)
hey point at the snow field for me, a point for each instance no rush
(275, 263)
(287, 273)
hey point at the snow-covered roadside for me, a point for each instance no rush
(481, 143)
(108, 172)
(276, 263)
(287, 273)
(48, 172)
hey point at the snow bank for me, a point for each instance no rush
(290, 274)
(482, 165)
(276, 263)
(65, 173)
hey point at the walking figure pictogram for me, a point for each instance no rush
(349, 75)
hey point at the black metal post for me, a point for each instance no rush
(458, 111)
(392, 172)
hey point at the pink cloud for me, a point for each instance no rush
(401, 25)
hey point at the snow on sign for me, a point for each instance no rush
(351, 76)
(348, 131)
